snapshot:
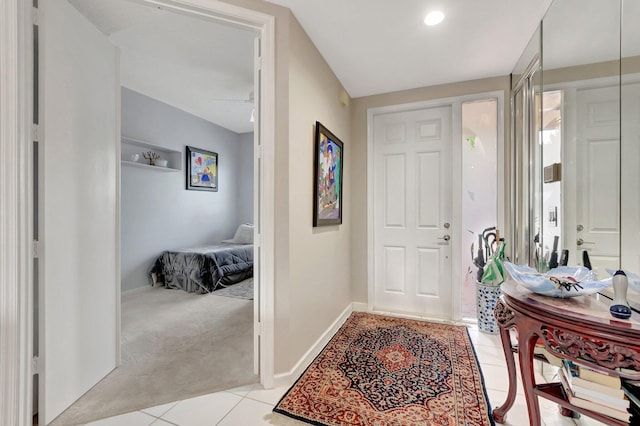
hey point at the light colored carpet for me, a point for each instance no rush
(175, 345)
(241, 290)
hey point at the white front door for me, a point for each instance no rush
(597, 178)
(412, 211)
(79, 207)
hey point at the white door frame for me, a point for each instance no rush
(265, 25)
(16, 192)
(456, 152)
(15, 215)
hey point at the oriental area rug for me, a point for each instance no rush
(380, 370)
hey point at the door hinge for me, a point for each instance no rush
(35, 137)
(35, 249)
(35, 16)
(258, 242)
(35, 365)
(259, 328)
(259, 151)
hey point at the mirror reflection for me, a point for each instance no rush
(630, 137)
(579, 139)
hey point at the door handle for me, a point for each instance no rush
(446, 237)
(581, 242)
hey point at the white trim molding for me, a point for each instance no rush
(16, 190)
(15, 214)
(286, 379)
(216, 10)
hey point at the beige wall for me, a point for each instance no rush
(312, 264)
(358, 165)
(319, 269)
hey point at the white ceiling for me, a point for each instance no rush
(373, 46)
(186, 62)
(378, 46)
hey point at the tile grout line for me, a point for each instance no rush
(159, 418)
(232, 408)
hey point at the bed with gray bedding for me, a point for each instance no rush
(203, 269)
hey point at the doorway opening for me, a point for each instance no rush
(159, 125)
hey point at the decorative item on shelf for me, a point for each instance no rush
(563, 281)
(620, 307)
(151, 156)
(161, 162)
(135, 157)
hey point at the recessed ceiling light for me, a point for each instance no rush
(434, 18)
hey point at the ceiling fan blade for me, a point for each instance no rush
(245, 100)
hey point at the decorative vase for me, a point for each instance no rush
(486, 299)
(620, 307)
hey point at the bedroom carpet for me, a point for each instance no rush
(175, 345)
(241, 290)
(379, 370)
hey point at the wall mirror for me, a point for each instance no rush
(576, 134)
(630, 139)
(580, 134)
(526, 85)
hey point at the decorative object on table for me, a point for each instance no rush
(632, 279)
(151, 156)
(161, 162)
(553, 260)
(620, 307)
(327, 182)
(585, 260)
(563, 281)
(541, 262)
(202, 169)
(135, 157)
(564, 259)
(386, 370)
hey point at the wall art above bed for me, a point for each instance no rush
(327, 190)
(202, 169)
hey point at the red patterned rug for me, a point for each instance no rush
(380, 370)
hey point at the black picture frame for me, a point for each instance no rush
(328, 177)
(202, 169)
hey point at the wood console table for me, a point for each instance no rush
(579, 329)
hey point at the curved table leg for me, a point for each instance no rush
(500, 412)
(526, 343)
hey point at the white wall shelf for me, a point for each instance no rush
(131, 146)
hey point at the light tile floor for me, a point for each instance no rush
(252, 405)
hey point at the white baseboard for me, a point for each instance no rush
(287, 379)
(360, 307)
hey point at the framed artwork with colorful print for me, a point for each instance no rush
(327, 192)
(202, 169)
